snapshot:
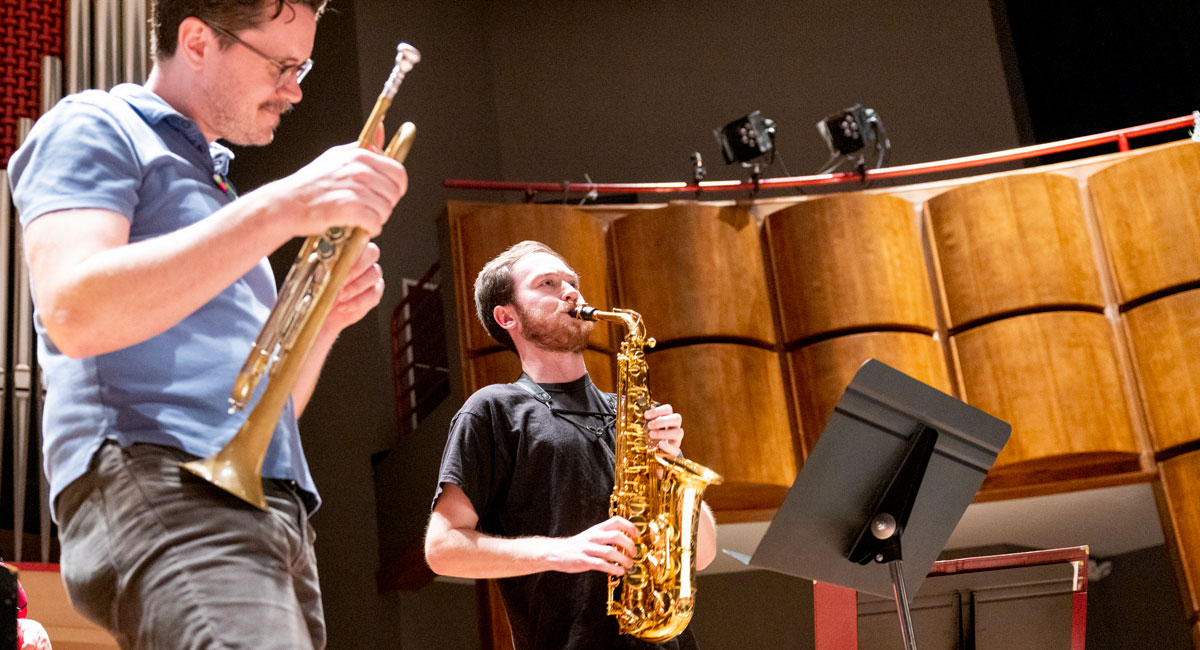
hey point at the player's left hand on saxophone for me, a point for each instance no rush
(665, 426)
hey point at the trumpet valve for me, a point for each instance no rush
(247, 379)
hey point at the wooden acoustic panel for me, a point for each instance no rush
(735, 416)
(849, 261)
(821, 371)
(1148, 208)
(693, 271)
(1054, 377)
(1165, 338)
(503, 366)
(1181, 497)
(494, 629)
(480, 232)
(1013, 243)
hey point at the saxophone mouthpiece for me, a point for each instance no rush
(583, 311)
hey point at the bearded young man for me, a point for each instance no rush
(528, 468)
(150, 284)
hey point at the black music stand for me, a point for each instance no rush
(898, 458)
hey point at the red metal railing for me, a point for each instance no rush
(1119, 136)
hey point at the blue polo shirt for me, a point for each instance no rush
(129, 152)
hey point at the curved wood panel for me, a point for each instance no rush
(735, 416)
(821, 372)
(1013, 243)
(502, 366)
(1181, 494)
(848, 261)
(694, 270)
(480, 232)
(1165, 337)
(1054, 377)
(1148, 208)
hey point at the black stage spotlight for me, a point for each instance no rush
(848, 133)
(746, 138)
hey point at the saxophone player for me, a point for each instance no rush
(523, 489)
(150, 283)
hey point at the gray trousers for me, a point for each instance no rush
(164, 560)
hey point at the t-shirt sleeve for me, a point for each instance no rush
(76, 156)
(475, 460)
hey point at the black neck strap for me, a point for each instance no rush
(527, 384)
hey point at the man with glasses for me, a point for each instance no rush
(151, 282)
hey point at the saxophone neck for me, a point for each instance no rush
(627, 317)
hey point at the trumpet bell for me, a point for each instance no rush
(234, 473)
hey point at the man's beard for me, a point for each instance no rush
(553, 333)
(242, 129)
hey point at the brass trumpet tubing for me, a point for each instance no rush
(401, 142)
(275, 332)
(237, 467)
(239, 464)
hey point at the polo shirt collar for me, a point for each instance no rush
(155, 109)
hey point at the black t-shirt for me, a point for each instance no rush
(530, 472)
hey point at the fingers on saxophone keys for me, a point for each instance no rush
(620, 535)
(659, 411)
(618, 561)
(670, 449)
(610, 558)
(665, 423)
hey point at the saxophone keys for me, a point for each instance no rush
(636, 505)
(635, 576)
(664, 603)
(639, 553)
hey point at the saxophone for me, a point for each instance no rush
(660, 495)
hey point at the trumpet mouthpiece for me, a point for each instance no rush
(406, 57)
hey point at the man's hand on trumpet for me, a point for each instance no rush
(346, 186)
(360, 293)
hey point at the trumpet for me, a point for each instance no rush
(305, 299)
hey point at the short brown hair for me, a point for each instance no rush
(232, 15)
(494, 286)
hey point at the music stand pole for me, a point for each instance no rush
(896, 568)
(879, 538)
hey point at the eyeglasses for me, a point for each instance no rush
(286, 70)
